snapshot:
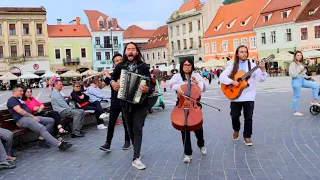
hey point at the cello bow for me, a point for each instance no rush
(200, 102)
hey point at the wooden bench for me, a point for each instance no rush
(7, 122)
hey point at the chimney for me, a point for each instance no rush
(78, 20)
(59, 21)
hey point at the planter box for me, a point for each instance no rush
(313, 73)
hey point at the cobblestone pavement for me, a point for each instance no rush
(284, 146)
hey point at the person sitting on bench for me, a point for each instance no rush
(95, 93)
(82, 102)
(60, 105)
(23, 118)
(6, 137)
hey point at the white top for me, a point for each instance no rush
(248, 93)
(176, 81)
(295, 70)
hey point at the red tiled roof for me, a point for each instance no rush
(228, 13)
(311, 6)
(68, 31)
(134, 31)
(276, 7)
(93, 16)
(192, 4)
(158, 39)
(22, 9)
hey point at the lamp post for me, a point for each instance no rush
(110, 28)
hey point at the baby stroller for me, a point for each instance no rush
(314, 109)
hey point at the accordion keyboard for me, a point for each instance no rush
(122, 84)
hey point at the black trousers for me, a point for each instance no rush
(53, 114)
(235, 113)
(186, 140)
(135, 117)
(96, 106)
(114, 113)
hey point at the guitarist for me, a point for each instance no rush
(246, 99)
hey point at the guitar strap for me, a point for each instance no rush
(249, 67)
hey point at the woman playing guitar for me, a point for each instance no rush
(187, 72)
(247, 97)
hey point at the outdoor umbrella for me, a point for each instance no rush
(90, 72)
(283, 57)
(29, 75)
(8, 76)
(70, 74)
(50, 74)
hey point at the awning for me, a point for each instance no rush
(50, 74)
(29, 75)
(311, 53)
(9, 76)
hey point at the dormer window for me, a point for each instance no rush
(266, 18)
(101, 25)
(313, 11)
(243, 23)
(231, 24)
(218, 27)
(284, 14)
(228, 26)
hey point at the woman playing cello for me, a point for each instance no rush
(187, 72)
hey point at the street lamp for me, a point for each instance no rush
(110, 28)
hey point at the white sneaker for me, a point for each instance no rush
(203, 150)
(101, 126)
(138, 164)
(187, 159)
(298, 114)
(315, 103)
(103, 115)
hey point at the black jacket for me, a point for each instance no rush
(75, 97)
(142, 70)
(115, 102)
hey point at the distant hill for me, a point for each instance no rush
(230, 1)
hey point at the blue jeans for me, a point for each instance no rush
(297, 84)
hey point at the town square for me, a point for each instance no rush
(166, 85)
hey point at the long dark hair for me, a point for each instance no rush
(302, 61)
(183, 75)
(24, 97)
(236, 61)
(137, 58)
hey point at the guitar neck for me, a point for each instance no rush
(250, 72)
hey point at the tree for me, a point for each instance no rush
(230, 1)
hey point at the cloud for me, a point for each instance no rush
(147, 24)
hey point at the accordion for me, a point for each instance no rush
(130, 87)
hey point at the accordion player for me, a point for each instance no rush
(130, 87)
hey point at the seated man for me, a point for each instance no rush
(5, 149)
(95, 93)
(23, 118)
(82, 101)
(61, 106)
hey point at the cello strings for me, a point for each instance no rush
(200, 102)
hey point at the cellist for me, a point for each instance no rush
(187, 71)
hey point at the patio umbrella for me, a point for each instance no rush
(8, 76)
(29, 75)
(90, 72)
(215, 63)
(283, 57)
(70, 74)
(50, 74)
(311, 53)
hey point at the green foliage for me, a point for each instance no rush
(230, 1)
(313, 68)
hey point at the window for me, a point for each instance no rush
(317, 32)
(158, 55)
(199, 25)
(25, 29)
(1, 30)
(200, 41)
(83, 53)
(185, 43)
(98, 55)
(164, 54)
(225, 45)
(171, 31)
(40, 50)
(179, 46)
(190, 26)
(116, 52)
(288, 35)
(236, 44)
(115, 40)
(207, 48)
(39, 28)
(304, 33)
(107, 55)
(244, 41)
(101, 24)
(191, 43)
(152, 56)
(57, 53)
(178, 30)
(1, 51)
(263, 38)
(27, 52)
(284, 14)
(147, 56)
(214, 47)
(273, 36)
(253, 42)
(13, 51)
(184, 30)
(12, 29)
(172, 45)
(266, 18)
(97, 40)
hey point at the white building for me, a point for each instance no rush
(185, 32)
(156, 51)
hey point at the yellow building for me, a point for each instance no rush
(23, 40)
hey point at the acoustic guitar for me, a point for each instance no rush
(232, 92)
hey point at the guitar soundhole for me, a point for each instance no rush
(239, 80)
